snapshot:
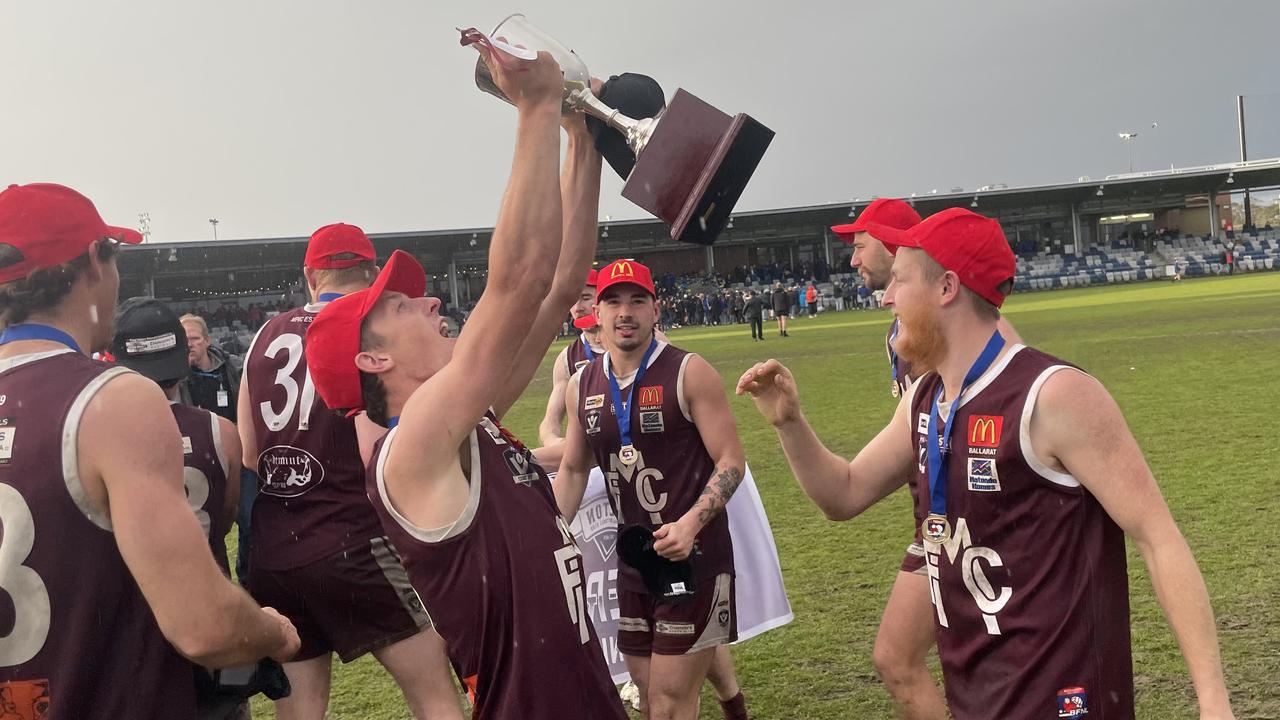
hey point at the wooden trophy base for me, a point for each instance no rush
(695, 166)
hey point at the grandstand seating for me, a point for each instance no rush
(1197, 255)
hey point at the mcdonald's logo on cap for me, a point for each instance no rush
(984, 430)
(619, 272)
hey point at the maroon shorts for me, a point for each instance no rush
(351, 603)
(646, 627)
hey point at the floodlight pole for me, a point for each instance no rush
(214, 223)
(1244, 156)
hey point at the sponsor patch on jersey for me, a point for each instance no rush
(651, 421)
(650, 396)
(922, 424)
(723, 618)
(984, 430)
(287, 471)
(186, 445)
(25, 699)
(593, 422)
(593, 402)
(6, 443)
(522, 466)
(670, 628)
(983, 476)
(1073, 702)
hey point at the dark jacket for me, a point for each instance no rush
(754, 307)
(224, 375)
(781, 301)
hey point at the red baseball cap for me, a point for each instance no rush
(333, 340)
(890, 212)
(586, 322)
(49, 225)
(620, 272)
(964, 242)
(338, 239)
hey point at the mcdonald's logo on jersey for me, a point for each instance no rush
(651, 396)
(984, 430)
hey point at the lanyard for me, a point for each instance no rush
(36, 331)
(586, 347)
(893, 354)
(393, 421)
(936, 527)
(329, 297)
(621, 410)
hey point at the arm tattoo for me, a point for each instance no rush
(718, 490)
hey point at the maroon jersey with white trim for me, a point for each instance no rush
(311, 502)
(575, 355)
(504, 587)
(79, 640)
(672, 465)
(1030, 591)
(205, 476)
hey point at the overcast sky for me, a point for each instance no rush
(283, 115)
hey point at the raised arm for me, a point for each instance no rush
(840, 489)
(159, 537)
(1077, 427)
(522, 258)
(580, 191)
(709, 408)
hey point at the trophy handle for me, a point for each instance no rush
(637, 132)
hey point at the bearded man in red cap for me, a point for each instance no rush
(1029, 480)
(656, 421)
(905, 634)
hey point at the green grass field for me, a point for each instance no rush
(1196, 369)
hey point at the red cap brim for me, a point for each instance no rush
(586, 322)
(124, 235)
(402, 274)
(892, 237)
(847, 231)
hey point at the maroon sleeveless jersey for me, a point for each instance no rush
(1030, 590)
(311, 502)
(578, 354)
(504, 588)
(205, 476)
(79, 639)
(672, 465)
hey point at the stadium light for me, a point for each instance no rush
(214, 222)
(144, 225)
(1099, 193)
(473, 239)
(975, 202)
(1231, 178)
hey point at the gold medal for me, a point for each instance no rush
(627, 454)
(936, 528)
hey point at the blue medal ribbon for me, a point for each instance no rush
(329, 297)
(586, 347)
(893, 354)
(620, 409)
(393, 421)
(36, 331)
(939, 447)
